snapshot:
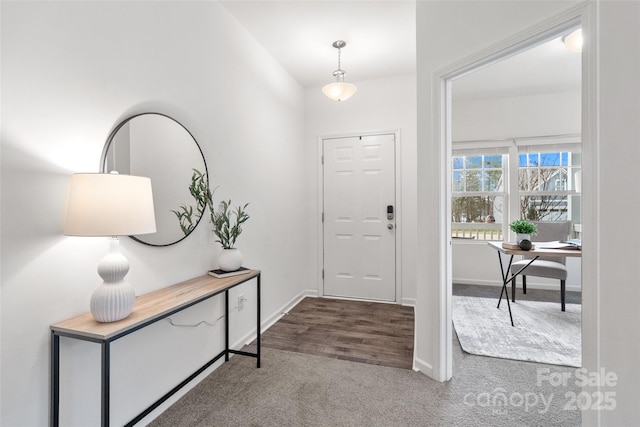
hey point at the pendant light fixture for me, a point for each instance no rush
(573, 41)
(339, 91)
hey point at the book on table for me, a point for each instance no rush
(511, 245)
(565, 244)
(221, 273)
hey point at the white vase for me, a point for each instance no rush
(520, 237)
(230, 259)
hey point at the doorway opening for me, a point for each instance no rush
(513, 150)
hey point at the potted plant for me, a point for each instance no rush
(227, 226)
(523, 229)
(227, 222)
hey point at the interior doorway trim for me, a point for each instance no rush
(583, 15)
(399, 210)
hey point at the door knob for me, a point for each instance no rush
(390, 226)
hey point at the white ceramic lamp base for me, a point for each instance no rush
(114, 298)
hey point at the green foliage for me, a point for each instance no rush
(198, 189)
(224, 228)
(227, 223)
(522, 226)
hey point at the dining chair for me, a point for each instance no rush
(552, 268)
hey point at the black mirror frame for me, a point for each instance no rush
(103, 165)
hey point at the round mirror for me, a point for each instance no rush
(156, 146)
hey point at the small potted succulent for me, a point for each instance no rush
(523, 229)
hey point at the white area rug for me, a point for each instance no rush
(542, 332)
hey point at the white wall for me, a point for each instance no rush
(501, 118)
(378, 105)
(617, 259)
(518, 116)
(70, 72)
(469, 27)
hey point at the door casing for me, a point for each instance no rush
(398, 208)
(582, 14)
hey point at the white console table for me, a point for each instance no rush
(148, 309)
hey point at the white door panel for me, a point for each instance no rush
(359, 246)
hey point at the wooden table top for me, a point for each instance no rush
(540, 250)
(152, 306)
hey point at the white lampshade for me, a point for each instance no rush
(339, 91)
(109, 205)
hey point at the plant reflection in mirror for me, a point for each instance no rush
(227, 223)
(198, 189)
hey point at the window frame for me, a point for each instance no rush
(511, 193)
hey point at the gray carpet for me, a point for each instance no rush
(293, 389)
(542, 332)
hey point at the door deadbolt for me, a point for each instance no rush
(389, 212)
(390, 226)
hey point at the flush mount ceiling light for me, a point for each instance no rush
(573, 41)
(339, 91)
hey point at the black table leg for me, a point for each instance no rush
(226, 325)
(258, 326)
(504, 290)
(54, 409)
(506, 279)
(105, 386)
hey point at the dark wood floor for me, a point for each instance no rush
(532, 294)
(367, 332)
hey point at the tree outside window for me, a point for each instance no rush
(545, 190)
(545, 184)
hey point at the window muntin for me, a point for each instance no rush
(477, 173)
(544, 190)
(546, 180)
(478, 196)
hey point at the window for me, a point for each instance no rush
(546, 183)
(495, 185)
(478, 196)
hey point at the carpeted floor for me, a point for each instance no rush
(541, 332)
(293, 389)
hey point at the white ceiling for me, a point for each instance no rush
(380, 36)
(546, 68)
(381, 42)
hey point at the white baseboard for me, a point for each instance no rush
(251, 336)
(412, 302)
(266, 324)
(532, 285)
(238, 344)
(180, 393)
(422, 366)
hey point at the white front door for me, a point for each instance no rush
(359, 232)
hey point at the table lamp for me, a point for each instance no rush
(110, 205)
